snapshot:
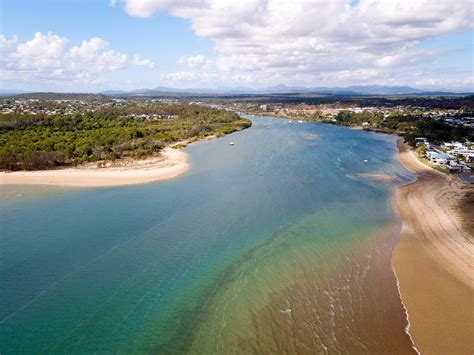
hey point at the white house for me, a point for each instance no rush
(422, 141)
(439, 158)
(453, 166)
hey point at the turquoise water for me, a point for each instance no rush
(151, 268)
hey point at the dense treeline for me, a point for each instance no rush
(409, 125)
(438, 132)
(32, 142)
(434, 102)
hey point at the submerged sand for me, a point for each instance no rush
(170, 164)
(434, 260)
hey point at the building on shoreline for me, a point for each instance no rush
(439, 158)
(455, 157)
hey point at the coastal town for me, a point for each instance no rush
(69, 105)
(463, 116)
(448, 145)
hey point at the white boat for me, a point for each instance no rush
(366, 161)
(231, 143)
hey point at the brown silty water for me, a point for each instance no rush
(348, 306)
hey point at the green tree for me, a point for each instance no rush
(421, 150)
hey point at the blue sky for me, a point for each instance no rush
(224, 44)
(162, 37)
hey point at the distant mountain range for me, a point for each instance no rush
(277, 89)
(284, 89)
(7, 92)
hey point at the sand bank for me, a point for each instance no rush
(171, 163)
(377, 177)
(434, 260)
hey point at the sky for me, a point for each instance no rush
(96, 45)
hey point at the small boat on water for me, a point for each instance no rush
(366, 161)
(231, 143)
(300, 121)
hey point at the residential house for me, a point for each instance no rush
(439, 158)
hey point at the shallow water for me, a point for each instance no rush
(271, 245)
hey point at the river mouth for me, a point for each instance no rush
(281, 242)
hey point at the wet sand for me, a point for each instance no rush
(172, 163)
(466, 209)
(434, 260)
(339, 297)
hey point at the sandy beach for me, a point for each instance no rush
(434, 260)
(171, 163)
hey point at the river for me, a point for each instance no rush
(279, 243)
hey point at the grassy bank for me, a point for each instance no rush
(434, 166)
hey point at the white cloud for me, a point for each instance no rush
(142, 62)
(309, 40)
(91, 57)
(446, 82)
(6, 44)
(43, 52)
(241, 78)
(146, 8)
(195, 61)
(184, 78)
(47, 58)
(179, 76)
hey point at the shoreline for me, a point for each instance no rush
(172, 163)
(433, 260)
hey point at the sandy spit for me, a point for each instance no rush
(170, 164)
(434, 260)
